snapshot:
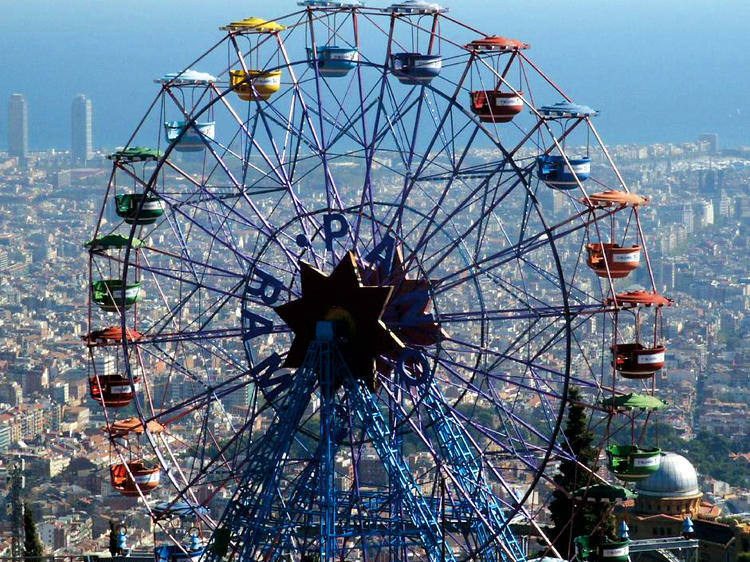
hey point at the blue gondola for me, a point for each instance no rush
(415, 68)
(334, 62)
(567, 110)
(190, 552)
(173, 553)
(194, 139)
(182, 509)
(556, 174)
(187, 77)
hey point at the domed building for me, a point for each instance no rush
(673, 489)
(670, 495)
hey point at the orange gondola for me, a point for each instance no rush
(613, 260)
(111, 335)
(134, 478)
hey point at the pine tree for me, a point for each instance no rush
(112, 538)
(32, 546)
(573, 519)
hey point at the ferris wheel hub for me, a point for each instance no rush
(354, 309)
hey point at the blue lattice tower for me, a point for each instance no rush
(245, 518)
(402, 481)
(493, 535)
(248, 522)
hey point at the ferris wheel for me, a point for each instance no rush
(346, 269)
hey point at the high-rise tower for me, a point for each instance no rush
(18, 126)
(81, 140)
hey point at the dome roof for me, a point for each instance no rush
(676, 478)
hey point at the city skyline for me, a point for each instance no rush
(360, 286)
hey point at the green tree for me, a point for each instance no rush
(572, 519)
(112, 538)
(32, 546)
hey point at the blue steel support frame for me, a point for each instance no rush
(494, 537)
(247, 516)
(327, 472)
(366, 409)
(247, 513)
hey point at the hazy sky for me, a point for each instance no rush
(659, 70)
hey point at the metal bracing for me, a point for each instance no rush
(422, 517)
(671, 549)
(491, 528)
(246, 516)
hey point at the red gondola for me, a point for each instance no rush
(494, 106)
(114, 391)
(636, 361)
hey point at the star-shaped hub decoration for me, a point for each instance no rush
(354, 309)
(407, 312)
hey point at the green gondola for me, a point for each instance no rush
(601, 549)
(630, 462)
(128, 206)
(136, 154)
(107, 293)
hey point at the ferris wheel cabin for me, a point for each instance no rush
(174, 553)
(414, 68)
(332, 61)
(593, 548)
(129, 207)
(113, 391)
(553, 169)
(108, 294)
(557, 174)
(496, 106)
(612, 260)
(135, 478)
(135, 154)
(630, 462)
(255, 84)
(636, 361)
(191, 138)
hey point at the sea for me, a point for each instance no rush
(657, 70)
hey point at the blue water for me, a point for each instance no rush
(660, 71)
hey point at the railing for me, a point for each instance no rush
(666, 543)
(135, 556)
(669, 549)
